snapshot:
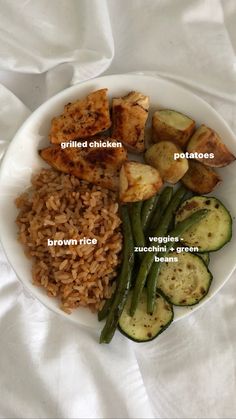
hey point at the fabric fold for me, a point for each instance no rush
(12, 114)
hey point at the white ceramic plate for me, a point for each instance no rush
(21, 160)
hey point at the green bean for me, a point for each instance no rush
(148, 259)
(162, 204)
(137, 230)
(148, 209)
(102, 314)
(156, 266)
(124, 282)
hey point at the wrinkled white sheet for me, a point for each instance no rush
(49, 368)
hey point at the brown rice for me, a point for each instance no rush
(60, 206)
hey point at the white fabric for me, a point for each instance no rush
(49, 368)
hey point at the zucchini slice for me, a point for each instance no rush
(186, 282)
(205, 257)
(212, 232)
(143, 327)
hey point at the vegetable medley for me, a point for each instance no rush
(149, 282)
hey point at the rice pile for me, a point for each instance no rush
(58, 207)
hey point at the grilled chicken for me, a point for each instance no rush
(129, 116)
(100, 166)
(81, 119)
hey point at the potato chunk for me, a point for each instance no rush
(206, 141)
(168, 125)
(81, 119)
(199, 178)
(162, 157)
(100, 166)
(129, 116)
(138, 181)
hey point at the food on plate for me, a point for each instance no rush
(100, 166)
(103, 313)
(82, 118)
(138, 181)
(148, 258)
(177, 232)
(163, 202)
(169, 125)
(205, 257)
(143, 326)
(211, 233)
(136, 223)
(206, 141)
(129, 116)
(199, 178)
(147, 211)
(119, 298)
(89, 249)
(161, 156)
(186, 282)
(62, 207)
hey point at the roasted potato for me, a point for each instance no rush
(162, 157)
(100, 166)
(138, 181)
(206, 141)
(81, 119)
(168, 125)
(129, 116)
(199, 178)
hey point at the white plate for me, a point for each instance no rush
(21, 160)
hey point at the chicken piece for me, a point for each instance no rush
(100, 166)
(129, 116)
(81, 119)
